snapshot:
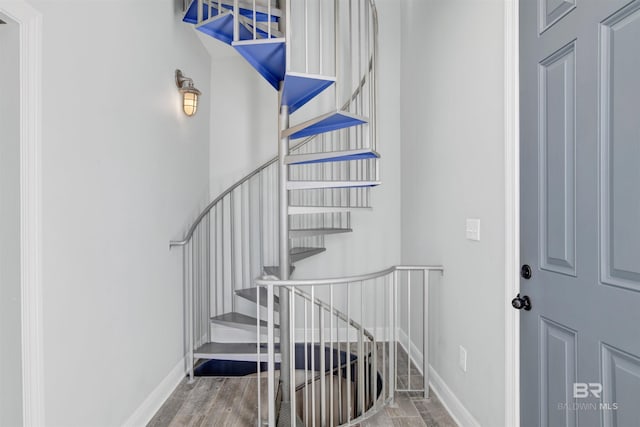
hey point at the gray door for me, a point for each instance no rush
(580, 212)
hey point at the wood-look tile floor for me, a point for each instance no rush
(231, 401)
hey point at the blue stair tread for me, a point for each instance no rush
(333, 156)
(191, 15)
(221, 27)
(301, 88)
(326, 123)
(267, 56)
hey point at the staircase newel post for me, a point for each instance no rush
(285, 262)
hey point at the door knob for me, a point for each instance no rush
(521, 302)
(525, 272)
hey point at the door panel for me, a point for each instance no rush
(557, 157)
(619, 106)
(580, 212)
(558, 372)
(551, 11)
(621, 385)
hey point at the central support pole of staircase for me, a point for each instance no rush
(285, 261)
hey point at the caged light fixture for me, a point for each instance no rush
(189, 93)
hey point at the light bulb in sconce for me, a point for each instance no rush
(189, 93)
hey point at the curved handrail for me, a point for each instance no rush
(355, 93)
(350, 279)
(295, 287)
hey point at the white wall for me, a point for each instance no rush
(453, 169)
(244, 119)
(124, 171)
(10, 334)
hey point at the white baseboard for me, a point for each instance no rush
(415, 354)
(157, 397)
(449, 400)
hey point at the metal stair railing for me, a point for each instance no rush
(355, 323)
(236, 235)
(231, 241)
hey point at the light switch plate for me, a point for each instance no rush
(462, 359)
(473, 229)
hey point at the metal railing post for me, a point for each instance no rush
(271, 382)
(236, 21)
(425, 334)
(285, 261)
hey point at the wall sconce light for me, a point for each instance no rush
(189, 93)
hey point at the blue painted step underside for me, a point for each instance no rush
(267, 56)
(221, 27)
(300, 88)
(334, 121)
(191, 16)
(346, 158)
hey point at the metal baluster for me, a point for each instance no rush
(313, 356)
(321, 35)
(331, 363)
(222, 252)
(425, 334)
(236, 21)
(287, 33)
(395, 331)
(361, 359)
(208, 283)
(251, 225)
(261, 218)
(292, 352)
(336, 50)
(340, 409)
(359, 130)
(385, 345)
(306, 36)
(196, 286)
(215, 260)
(271, 357)
(269, 18)
(348, 340)
(373, 368)
(306, 363)
(255, 26)
(190, 309)
(232, 242)
(409, 330)
(323, 370)
(258, 355)
(243, 237)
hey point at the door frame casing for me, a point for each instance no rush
(29, 22)
(512, 209)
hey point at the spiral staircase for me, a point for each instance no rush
(320, 55)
